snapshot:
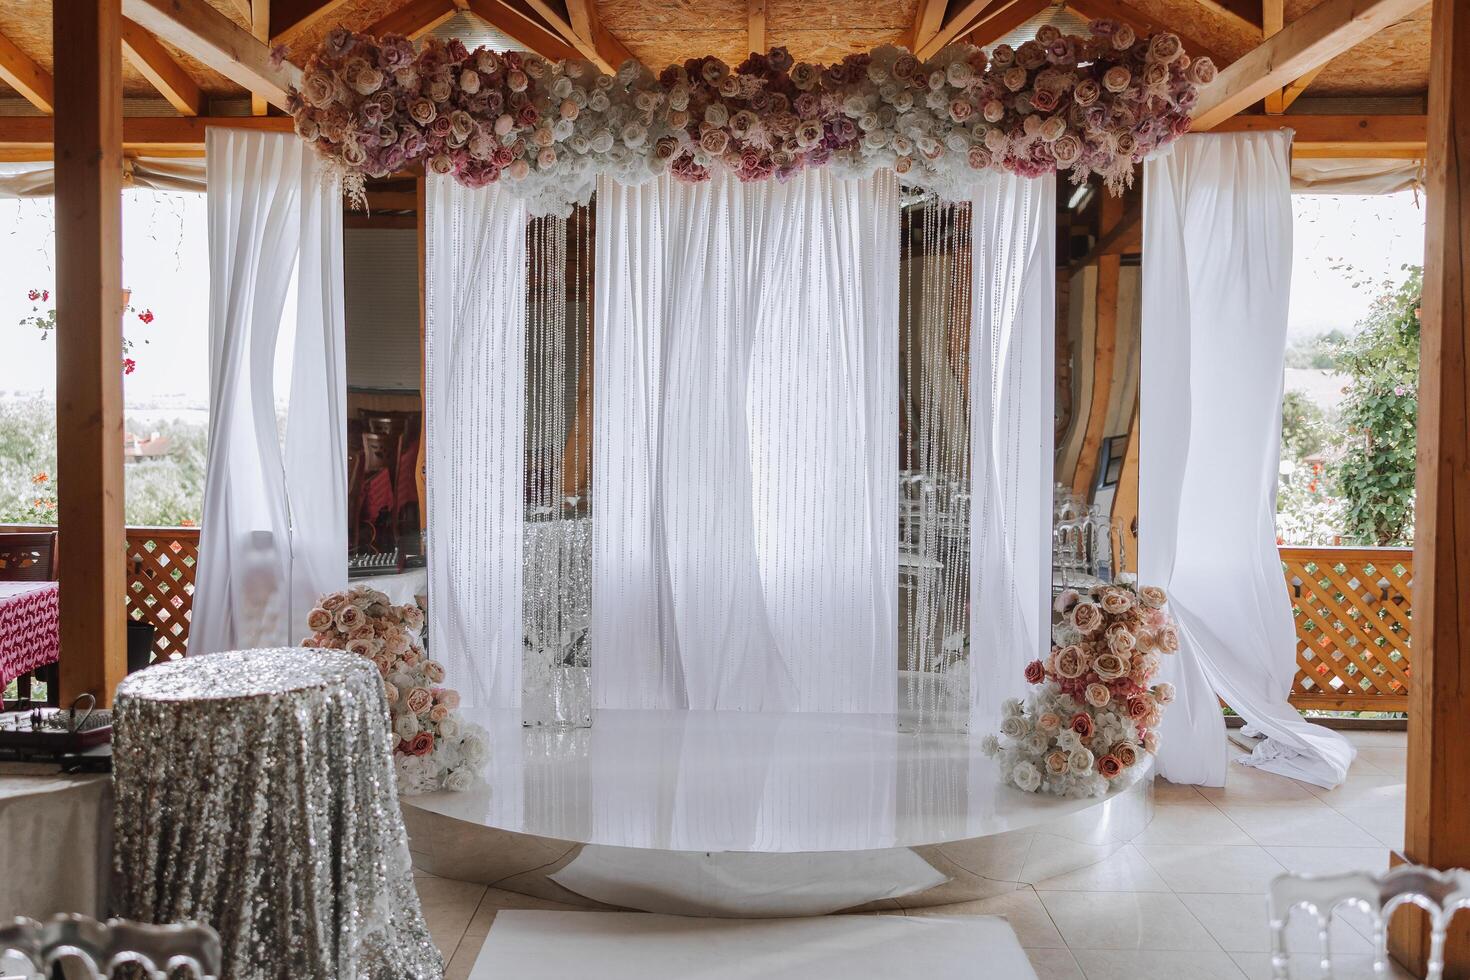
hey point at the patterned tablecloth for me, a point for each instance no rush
(30, 634)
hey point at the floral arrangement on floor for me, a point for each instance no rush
(1095, 709)
(434, 748)
(1083, 105)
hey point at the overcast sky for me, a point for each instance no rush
(1345, 248)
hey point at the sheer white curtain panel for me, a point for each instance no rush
(1012, 404)
(475, 410)
(274, 531)
(1217, 246)
(744, 427)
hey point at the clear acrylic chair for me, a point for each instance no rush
(1439, 893)
(101, 947)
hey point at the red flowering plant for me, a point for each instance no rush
(43, 318)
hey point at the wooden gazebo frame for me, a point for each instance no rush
(202, 56)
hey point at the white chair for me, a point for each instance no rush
(1439, 893)
(102, 947)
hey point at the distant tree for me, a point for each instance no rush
(1303, 427)
(1379, 416)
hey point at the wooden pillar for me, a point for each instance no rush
(1105, 344)
(1437, 826)
(89, 417)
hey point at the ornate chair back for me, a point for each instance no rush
(102, 947)
(1439, 893)
(28, 556)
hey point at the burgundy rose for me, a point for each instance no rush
(1035, 672)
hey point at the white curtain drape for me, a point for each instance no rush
(475, 411)
(1217, 245)
(1012, 404)
(745, 419)
(274, 531)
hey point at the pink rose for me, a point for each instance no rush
(1164, 693)
(1164, 47)
(1086, 92)
(318, 620)
(1152, 597)
(960, 110)
(438, 713)
(1071, 662)
(1035, 672)
(1098, 695)
(1109, 666)
(418, 700)
(1056, 762)
(1109, 766)
(434, 671)
(714, 141)
(1116, 78)
(1014, 79)
(1048, 723)
(349, 617)
(1115, 602)
(1081, 723)
(1167, 638)
(1138, 708)
(1126, 753)
(421, 744)
(1086, 617)
(447, 697)
(334, 602)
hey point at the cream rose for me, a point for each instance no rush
(418, 700)
(1109, 666)
(1014, 727)
(1098, 695)
(1152, 597)
(318, 620)
(1086, 617)
(1056, 763)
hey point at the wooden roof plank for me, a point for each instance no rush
(195, 27)
(260, 29)
(413, 19)
(159, 67)
(30, 137)
(1293, 91)
(596, 41)
(755, 24)
(927, 21)
(25, 76)
(521, 25)
(994, 26)
(1315, 38)
(290, 17)
(960, 23)
(1244, 14)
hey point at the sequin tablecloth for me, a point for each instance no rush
(255, 792)
(29, 633)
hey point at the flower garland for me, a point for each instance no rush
(1094, 712)
(432, 747)
(1098, 104)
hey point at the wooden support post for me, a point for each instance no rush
(89, 418)
(1437, 819)
(1104, 350)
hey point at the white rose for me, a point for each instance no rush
(458, 781)
(1026, 777)
(406, 725)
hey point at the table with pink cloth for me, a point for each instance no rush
(30, 634)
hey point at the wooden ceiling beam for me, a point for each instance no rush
(1293, 91)
(928, 19)
(963, 19)
(582, 28)
(1142, 24)
(198, 29)
(755, 24)
(260, 29)
(1342, 137)
(521, 25)
(996, 25)
(1315, 38)
(25, 76)
(162, 71)
(30, 137)
(1273, 19)
(1245, 14)
(414, 19)
(289, 18)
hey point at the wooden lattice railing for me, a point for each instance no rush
(1352, 608)
(161, 563)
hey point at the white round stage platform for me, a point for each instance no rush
(746, 814)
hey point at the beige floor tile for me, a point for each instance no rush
(1331, 860)
(1153, 964)
(1246, 785)
(1125, 871)
(1125, 920)
(1168, 794)
(1204, 868)
(1054, 964)
(1392, 760)
(1239, 924)
(1257, 966)
(1386, 823)
(1183, 824)
(1308, 825)
(1021, 908)
(1368, 789)
(448, 908)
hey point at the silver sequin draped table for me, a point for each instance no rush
(255, 792)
